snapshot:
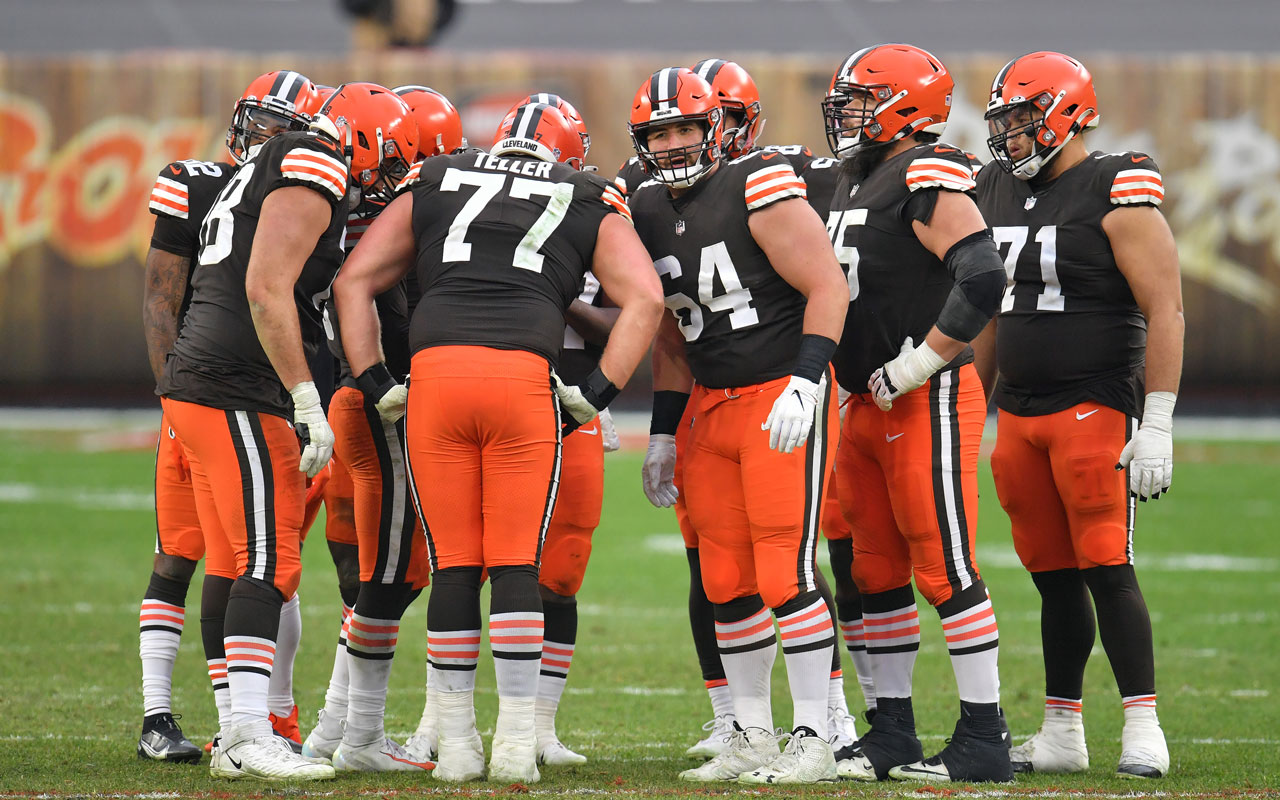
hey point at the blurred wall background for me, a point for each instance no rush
(82, 134)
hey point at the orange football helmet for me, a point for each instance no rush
(541, 131)
(884, 93)
(439, 126)
(1047, 96)
(278, 101)
(378, 135)
(564, 107)
(740, 100)
(323, 92)
(675, 94)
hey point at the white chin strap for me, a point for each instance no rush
(683, 177)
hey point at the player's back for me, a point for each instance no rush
(741, 321)
(218, 360)
(897, 286)
(502, 247)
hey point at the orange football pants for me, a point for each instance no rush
(177, 522)
(392, 547)
(1056, 478)
(483, 433)
(250, 495)
(568, 546)
(756, 510)
(908, 485)
(834, 525)
(682, 446)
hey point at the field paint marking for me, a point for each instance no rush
(80, 497)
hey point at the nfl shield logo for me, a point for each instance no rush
(854, 190)
(679, 227)
(1030, 204)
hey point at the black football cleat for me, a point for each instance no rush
(891, 742)
(162, 740)
(970, 756)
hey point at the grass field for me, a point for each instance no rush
(77, 531)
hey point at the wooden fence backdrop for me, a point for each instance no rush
(81, 140)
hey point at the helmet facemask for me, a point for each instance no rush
(742, 126)
(256, 121)
(1026, 118)
(852, 113)
(697, 159)
(378, 185)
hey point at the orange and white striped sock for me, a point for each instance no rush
(852, 631)
(744, 635)
(280, 694)
(808, 638)
(371, 644)
(973, 640)
(221, 690)
(160, 626)
(335, 695)
(1139, 705)
(249, 663)
(892, 633)
(721, 697)
(515, 637)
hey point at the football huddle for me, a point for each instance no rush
(364, 312)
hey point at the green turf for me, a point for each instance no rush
(73, 573)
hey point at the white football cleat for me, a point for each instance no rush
(324, 737)
(553, 752)
(515, 744)
(843, 731)
(264, 758)
(717, 740)
(1058, 746)
(422, 744)
(807, 758)
(1143, 751)
(746, 750)
(384, 756)
(461, 758)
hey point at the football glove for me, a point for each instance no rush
(791, 417)
(389, 397)
(608, 432)
(909, 371)
(312, 429)
(659, 471)
(1149, 454)
(842, 396)
(585, 400)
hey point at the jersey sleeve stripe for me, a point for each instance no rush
(170, 198)
(776, 190)
(613, 199)
(308, 165)
(171, 186)
(769, 174)
(924, 173)
(324, 165)
(1137, 186)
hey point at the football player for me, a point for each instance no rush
(925, 279)
(1091, 261)
(483, 423)
(183, 193)
(390, 548)
(238, 374)
(740, 104)
(756, 300)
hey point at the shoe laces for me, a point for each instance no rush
(838, 723)
(720, 722)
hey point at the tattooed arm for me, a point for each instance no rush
(165, 285)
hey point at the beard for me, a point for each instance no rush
(859, 165)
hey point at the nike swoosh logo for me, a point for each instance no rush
(1137, 159)
(889, 438)
(1080, 416)
(175, 170)
(234, 763)
(589, 431)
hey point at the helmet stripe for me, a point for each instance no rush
(709, 68)
(287, 86)
(998, 84)
(526, 121)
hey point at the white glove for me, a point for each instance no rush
(573, 401)
(791, 417)
(659, 471)
(392, 405)
(1149, 454)
(910, 370)
(842, 397)
(312, 429)
(609, 433)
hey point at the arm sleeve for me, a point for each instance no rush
(978, 272)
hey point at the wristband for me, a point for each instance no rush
(375, 381)
(668, 409)
(814, 357)
(598, 390)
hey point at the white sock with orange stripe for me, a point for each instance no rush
(552, 677)
(280, 695)
(160, 626)
(249, 663)
(973, 640)
(808, 639)
(852, 632)
(1139, 705)
(721, 697)
(892, 633)
(515, 638)
(744, 634)
(371, 644)
(335, 696)
(1060, 710)
(221, 690)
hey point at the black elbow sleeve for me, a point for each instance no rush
(975, 266)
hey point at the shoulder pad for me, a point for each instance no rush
(939, 166)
